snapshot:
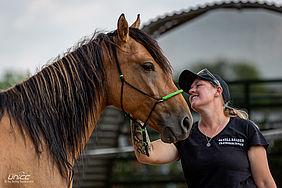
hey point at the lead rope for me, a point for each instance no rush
(158, 100)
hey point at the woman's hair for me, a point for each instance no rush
(233, 112)
(230, 111)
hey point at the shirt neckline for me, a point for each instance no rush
(197, 127)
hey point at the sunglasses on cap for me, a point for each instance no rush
(206, 72)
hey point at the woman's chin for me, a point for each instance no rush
(195, 106)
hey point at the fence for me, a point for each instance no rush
(257, 93)
(261, 98)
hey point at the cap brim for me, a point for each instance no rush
(186, 79)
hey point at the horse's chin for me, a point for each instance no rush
(168, 136)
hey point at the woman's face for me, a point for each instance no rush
(201, 93)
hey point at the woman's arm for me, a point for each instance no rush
(159, 152)
(259, 167)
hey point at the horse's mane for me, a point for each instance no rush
(56, 105)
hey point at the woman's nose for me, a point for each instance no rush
(191, 90)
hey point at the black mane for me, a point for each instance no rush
(57, 105)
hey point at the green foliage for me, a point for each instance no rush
(228, 70)
(10, 78)
(245, 71)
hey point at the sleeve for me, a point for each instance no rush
(177, 145)
(255, 137)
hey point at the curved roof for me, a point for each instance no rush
(168, 22)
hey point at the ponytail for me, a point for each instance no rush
(233, 112)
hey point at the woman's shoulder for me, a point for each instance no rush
(240, 121)
(243, 124)
(250, 130)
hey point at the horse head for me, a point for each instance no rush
(148, 78)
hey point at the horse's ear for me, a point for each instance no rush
(123, 29)
(136, 24)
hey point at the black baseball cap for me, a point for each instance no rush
(187, 77)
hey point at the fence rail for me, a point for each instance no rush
(270, 135)
(253, 94)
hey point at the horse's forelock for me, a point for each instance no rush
(150, 45)
(153, 48)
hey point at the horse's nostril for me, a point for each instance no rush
(186, 123)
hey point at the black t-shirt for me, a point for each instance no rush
(225, 163)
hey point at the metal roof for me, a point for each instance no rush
(168, 22)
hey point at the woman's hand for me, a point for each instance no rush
(159, 152)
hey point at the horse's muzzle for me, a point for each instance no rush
(172, 134)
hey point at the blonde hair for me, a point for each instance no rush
(233, 112)
(230, 111)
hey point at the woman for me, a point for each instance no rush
(224, 149)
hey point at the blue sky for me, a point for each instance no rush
(32, 32)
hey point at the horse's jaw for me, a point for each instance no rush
(168, 136)
(170, 133)
(173, 133)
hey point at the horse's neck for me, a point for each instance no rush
(91, 127)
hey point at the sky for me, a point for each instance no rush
(33, 32)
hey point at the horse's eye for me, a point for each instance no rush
(148, 66)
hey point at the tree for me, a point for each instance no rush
(10, 78)
(228, 70)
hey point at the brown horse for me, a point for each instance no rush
(46, 120)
